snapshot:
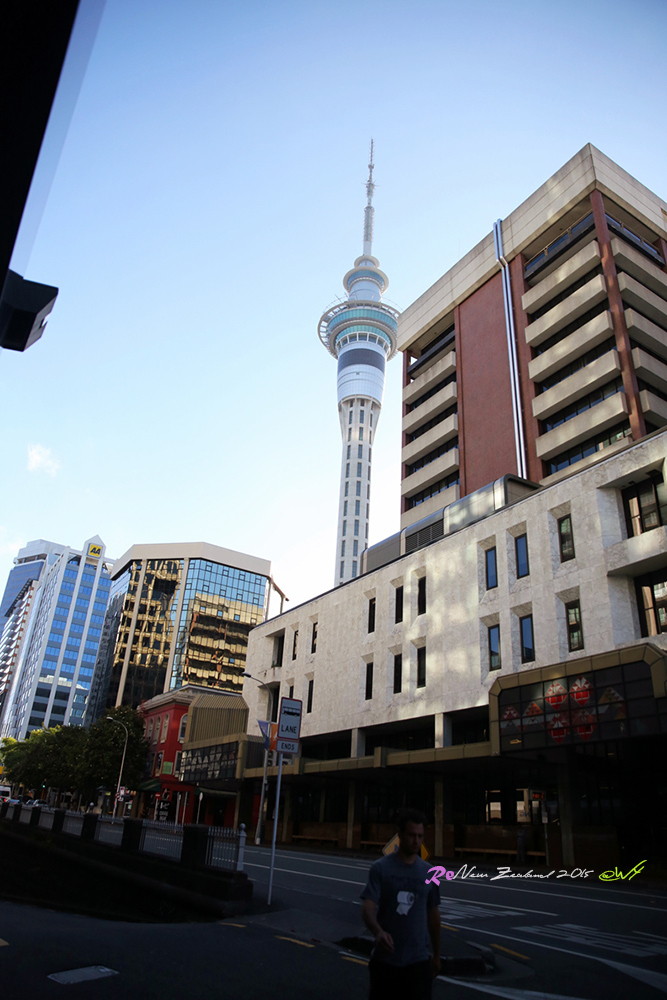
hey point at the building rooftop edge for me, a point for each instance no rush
(587, 170)
(193, 550)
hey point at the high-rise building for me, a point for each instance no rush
(12, 636)
(542, 347)
(186, 613)
(28, 565)
(360, 332)
(502, 662)
(51, 683)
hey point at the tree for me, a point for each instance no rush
(105, 750)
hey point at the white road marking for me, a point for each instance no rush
(657, 979)
(81, 975)
(627, 944)
(573, 896)
(291, 871)
(509, 994)
(507, 910)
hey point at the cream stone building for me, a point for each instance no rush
(500, 662)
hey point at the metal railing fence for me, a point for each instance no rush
(162, 839)
(109, 831)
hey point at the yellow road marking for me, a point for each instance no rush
(359, 961)
(304, 944)
(3, 943)
(229, 923)
(448, 928)
(510, 952)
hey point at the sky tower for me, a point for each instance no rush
(361, 334)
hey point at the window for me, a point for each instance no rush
(358, 489)
(371, 614)
(355, 547)
(149, 731)
(165, 728)
(398, 672)
(158, 762)
(361, 437)
(491, 568)
(575, 633)
(356, 527)
(652, 602)
(309, 701)
(345, 508)
(156, 734)
(347, 470)
(644, 506)
(494, 647)
(398, 613)
(344, 527)
(360, 452)
(361, 416)
(274, 703)
(291, 691)
(347, 486)
(421, 596)
(342, 569)
(358, 469)
(342, 550)
(350, 420)
(565, 539)
(369, 681)
(349, 448)
(521, 545)
(184, 724)
(357, 504)
(295, 640)
(421, 667)
(354, 569)
(349, 434)
(313, 641)
(278, 650)
(527, 642)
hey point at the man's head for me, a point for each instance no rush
(411, 825)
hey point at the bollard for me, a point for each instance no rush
(17, 812)
(195, 846)
(131, 842)
(4, 806)
(35, 813)
(241, 853)
(89, 826)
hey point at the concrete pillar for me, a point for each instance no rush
(565, 815)
(89, 826)
(195, 845)
(131, 842)
(287, 811)
(350, 815)
(358, 747)
(443, 730)
(438, 809)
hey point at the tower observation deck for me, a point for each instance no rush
(360, 333)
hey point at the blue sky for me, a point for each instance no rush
(207, 203)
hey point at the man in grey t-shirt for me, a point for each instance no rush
(401, 911)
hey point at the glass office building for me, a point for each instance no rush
(52, 682)
(186, 616)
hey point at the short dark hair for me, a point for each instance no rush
(410, 816)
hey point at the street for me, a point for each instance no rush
(552, 939)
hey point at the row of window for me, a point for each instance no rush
(279, 645)
(398, 605)
(398, 673)
(575, 636)
(565, 542)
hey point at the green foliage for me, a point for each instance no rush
(70, 757)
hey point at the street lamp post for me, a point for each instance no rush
(258, 832)
(122, 762)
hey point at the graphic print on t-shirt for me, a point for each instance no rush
(405, 901)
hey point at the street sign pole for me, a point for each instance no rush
(275, 827)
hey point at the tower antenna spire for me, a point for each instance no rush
(369, 210)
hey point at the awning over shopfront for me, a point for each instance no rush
(153, 785)
(214, 793)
